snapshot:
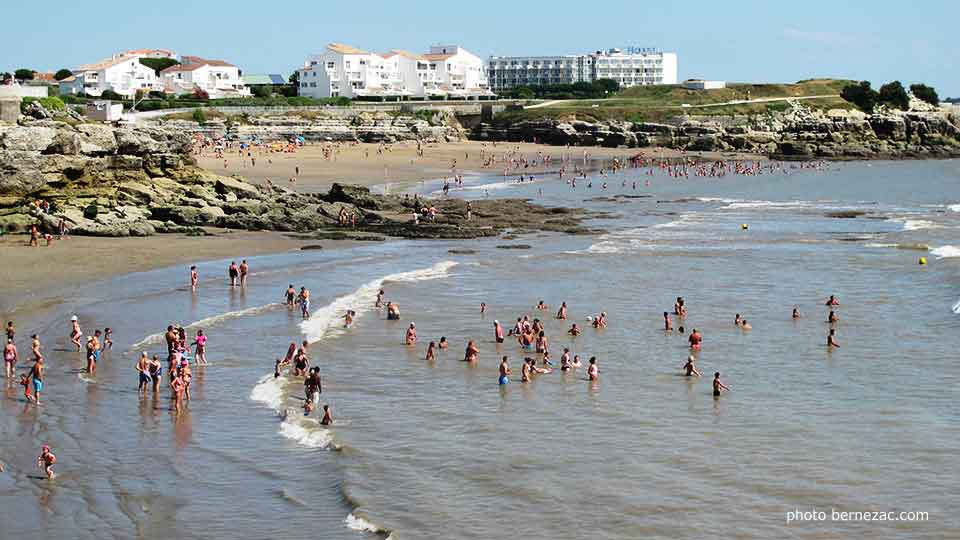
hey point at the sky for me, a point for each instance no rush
(732, 40)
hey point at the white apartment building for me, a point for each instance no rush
(632, 67)
(218, 78)
(342, 70)
(122, 73)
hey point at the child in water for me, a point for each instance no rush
(327, 417)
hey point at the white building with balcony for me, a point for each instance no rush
(217, 78)
(123, 74)
(632, 67)
(342, 70)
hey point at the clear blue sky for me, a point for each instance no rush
(750, 40)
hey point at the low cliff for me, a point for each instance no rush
(132, 181)
(795, 134)
(441, 126)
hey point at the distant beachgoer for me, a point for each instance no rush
(107, 339)
(45, 461)
(832, 317)
(304, 300)
(574, 330)
(327, 417)
(143, 373)
(11, 331)
(234, 272)
(744, 325)
(690, 370)
(717, 385)
(348, 318)
(156, 372)
(505, 371)
(244, 270)
(75, 332)
(541, 306)
(431, 352)
(36, 375)
(483, 307)
(832, 301)
(200, 353)
(194, 277)
(379, 303)
(832, 338)
(443, 344)
(667, 323)
(695, 339)
(411, 337)
(393, 311)
(10, 357)
(291, 295)
(471, 352)
(796, 313)
(737, 320)
(593, 372)
(497, 332)
(562, 312)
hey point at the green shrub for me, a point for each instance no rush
(110, 94)
(925, 93)
(48, 103)
(62, 74)
(199, 116)
(861, 95)
(894, 95)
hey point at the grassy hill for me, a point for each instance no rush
(652, 103)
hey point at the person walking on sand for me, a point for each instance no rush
(45, 461)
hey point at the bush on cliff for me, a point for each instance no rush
(861, 95)
(895, 96)
(48, 103)
(925, 93)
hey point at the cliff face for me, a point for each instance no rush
(797, 134)
(363, 127)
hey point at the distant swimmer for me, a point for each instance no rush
(574, 330)
(505, 371)
(194, 277)
(497, 332)
(431, 354)
(593, 371)
(717, 385)
(695, 339)
(562, 312)
(737, 320)
(393, 311)
(576, 363)
(327, 416)
(348, 318)
(796, 313)
(379, 303)
(600, 321)
(667, 323)
(744, 325)
(291, 295)
(832, 317)
(541, 306)
(832, 338)
(411, 334)
(689, 369)
(443, 344)
(471, 353)
(832, 301)
(483, 307)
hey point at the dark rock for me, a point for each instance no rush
(514, 246)
(311, 247)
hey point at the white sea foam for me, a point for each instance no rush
(269, 391)
(880, 245)
(210, 321)
(328, 319)
(956, 307)
(945, 252)
(306, 433)
(915, 224)
(359, 524)
(953, 207)
(741, 205)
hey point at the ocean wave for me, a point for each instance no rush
(901, 245)
(741, 205)
(956, 307)
(210, 321)
(328, 319)
(306, 433)
(915, 224)
(358, 523)
(945, 252)
(269, 391)
(953, 207)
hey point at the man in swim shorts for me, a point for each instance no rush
(291, 295)
(497, 331)
(695, 339)
(304, 300)
(36, 375)
(244, 270)
(717, 385)
(233, 271)
(143, 369)
(505, 371)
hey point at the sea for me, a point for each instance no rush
(806, 437)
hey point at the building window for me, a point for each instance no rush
(330, 65)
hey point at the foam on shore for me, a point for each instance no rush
(214, 320)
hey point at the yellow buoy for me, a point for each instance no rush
(923, 260)
(744, 226)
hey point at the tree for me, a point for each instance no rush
(894, 95)
(62, 74)
(861, 95)
(201, 94)
(159, 64)
(607, 86)
(524, 92)
(110, 94)
(24, 74)
(294, 79)
(262, 91)
(199, 116)
(925, 93)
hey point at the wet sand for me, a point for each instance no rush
(400, 165)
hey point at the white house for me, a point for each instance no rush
(700, 84)
(218, 78)
(123, 74)
(342, 70)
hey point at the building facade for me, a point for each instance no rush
(632, 67)
(217, 78)
(342, 70)
(122, 73)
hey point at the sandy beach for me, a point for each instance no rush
(400, 166)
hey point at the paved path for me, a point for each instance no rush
(686, 106)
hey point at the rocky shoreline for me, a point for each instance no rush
(799, 134)
(139, 181)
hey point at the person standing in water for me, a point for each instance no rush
(194, 277)
(233, 271)
(200, 354)
(411, 334)
(327, 417)
(471, 352)
(10, 357)
(143, 367)
(689, 369)
(45, 461)
(832, 338)
(244, 270)
(497, 332)
(304, 300)
(36, 375)
(717, 385)
(832, 301)
(75, 332)
(593, 371)
(291, 295)
(796, 313)
(562, 312)
(695, 340)
(505, 371)
(667, 323)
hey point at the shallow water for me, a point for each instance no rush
(439, 450)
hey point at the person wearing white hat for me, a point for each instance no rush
(498, 331)
(411, 334)
(75, 332)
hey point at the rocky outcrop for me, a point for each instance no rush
(798, 134)
(441, 126)
(106, 181)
